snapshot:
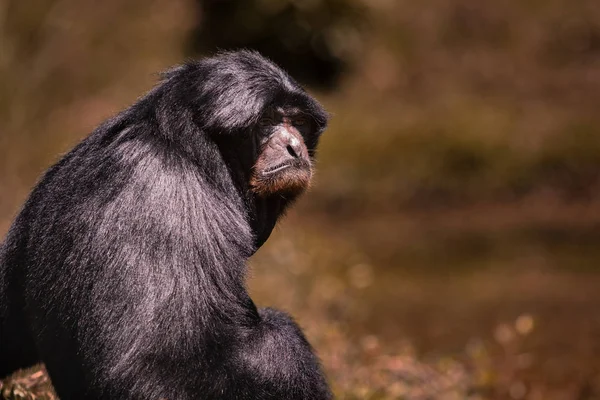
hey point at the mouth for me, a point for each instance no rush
(287, 177)
(276, 168)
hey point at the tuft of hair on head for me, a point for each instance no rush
(229, 91)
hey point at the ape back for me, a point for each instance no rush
(124, 271)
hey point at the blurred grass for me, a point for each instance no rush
(456, 199)
(465, 153)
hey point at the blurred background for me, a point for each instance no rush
(450, 247)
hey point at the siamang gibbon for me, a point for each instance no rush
(124, 272)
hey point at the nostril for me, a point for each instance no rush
(292, 152)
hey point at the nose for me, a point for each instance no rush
(293, 145)
(293, 152)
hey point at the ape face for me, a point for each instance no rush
(283, 164)
(271, 161)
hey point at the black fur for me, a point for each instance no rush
(124, 271)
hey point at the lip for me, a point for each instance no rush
(277, 168)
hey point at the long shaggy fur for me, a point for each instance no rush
(124, 271)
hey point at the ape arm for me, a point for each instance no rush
(277, 358)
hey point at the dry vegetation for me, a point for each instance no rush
(449, 247)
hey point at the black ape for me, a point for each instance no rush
(124, 272)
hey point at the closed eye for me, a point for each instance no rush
(266, 122)
(300, 121)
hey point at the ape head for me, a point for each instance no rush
(283, 165)
(266, 128)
